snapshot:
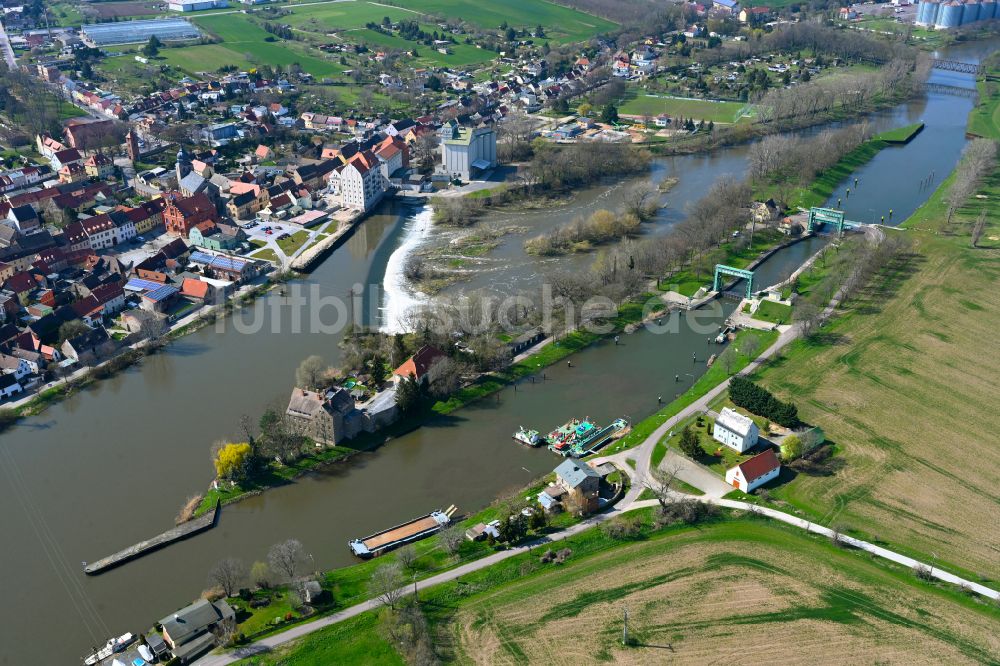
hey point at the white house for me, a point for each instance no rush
(9, 386)
(12, 365)
(755, 472)
(735, 430)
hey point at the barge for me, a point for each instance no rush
(394, 537)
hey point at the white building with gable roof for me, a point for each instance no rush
(735, 430)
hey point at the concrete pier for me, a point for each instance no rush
(182, 531)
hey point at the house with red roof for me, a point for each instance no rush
(755, 472)
(418, 365)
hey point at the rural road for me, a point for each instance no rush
(690, 472)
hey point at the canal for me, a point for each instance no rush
(112, 464)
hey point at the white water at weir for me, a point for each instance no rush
(399, 299)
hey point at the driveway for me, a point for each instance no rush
(694, 474)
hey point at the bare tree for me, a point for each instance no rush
(749, 346)
(228, 574)
(451, 539)
(312, 372)
(978, 227)
(387, 584)
(407, 558)
(287, 558)
(659, 484)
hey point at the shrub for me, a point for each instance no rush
(923, 572)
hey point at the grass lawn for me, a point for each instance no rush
(901, 384)
(333, 17)
(901, 134)
(687, 588)
(984, 119)
(638, 103)
(354, 641)
(776, 313)
(265, 255)
(291, 244)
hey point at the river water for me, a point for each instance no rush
(112, 464)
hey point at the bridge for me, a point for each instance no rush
(958, 91)
(722, 269)
(957, 66)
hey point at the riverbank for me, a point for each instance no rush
(822, 187)
(54, 392)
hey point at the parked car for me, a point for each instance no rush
(140, 239)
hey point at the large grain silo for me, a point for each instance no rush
(927, 12)
(970, 12)
(950, 15)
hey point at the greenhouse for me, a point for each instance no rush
(135, 32)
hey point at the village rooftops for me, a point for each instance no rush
(735, 422)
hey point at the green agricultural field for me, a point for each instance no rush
(698, 594)
(337, 16)
(248, 46)
(637, 103)
(561, 24)
(901, 384)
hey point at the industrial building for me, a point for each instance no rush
(467, 152)
(952, 14)
(137, 32)
(195, 5)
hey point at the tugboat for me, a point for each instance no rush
(528, 437)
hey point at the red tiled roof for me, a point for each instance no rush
(194, 288)
(418, 364)
(759, 465)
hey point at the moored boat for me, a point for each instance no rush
(394, 537)
(113, 646)
(529, 437)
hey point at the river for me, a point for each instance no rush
(112, 464)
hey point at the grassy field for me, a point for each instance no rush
(984, 119)
(246, 44)
(562, 24)
(901, 384)
(776, 313)
(714, 593)
(638, 103)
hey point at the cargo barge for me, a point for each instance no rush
(394, 537)
(578, 438)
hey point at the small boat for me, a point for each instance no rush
(113, 646)
(723, 334)
(394, 537)
(529, 437)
